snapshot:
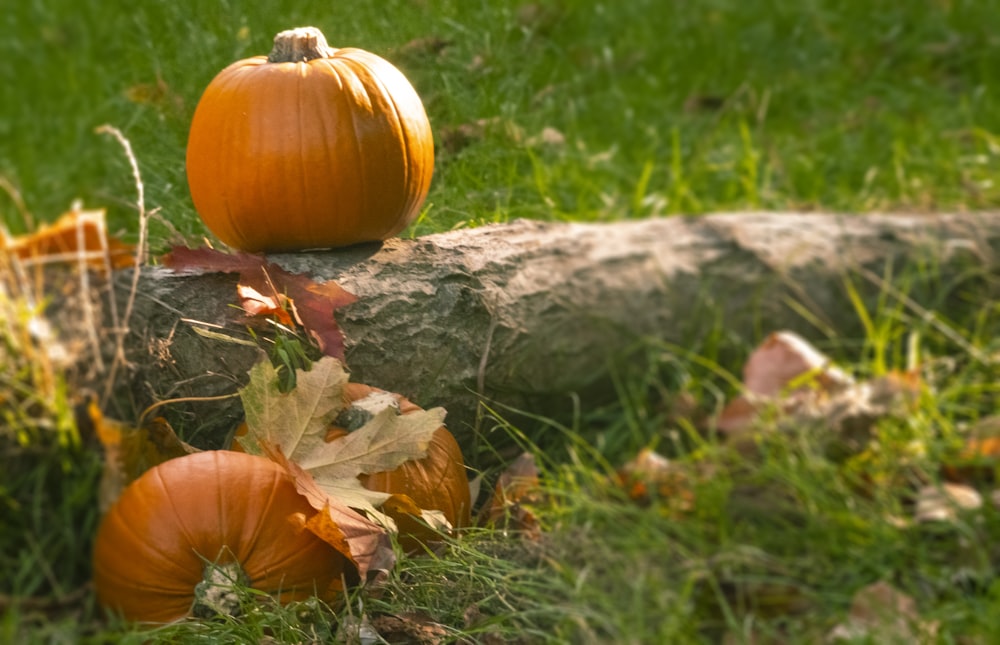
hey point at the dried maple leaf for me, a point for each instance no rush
(78, 235)
(362, 541)
(266, 288)
(517, 488)
(292, 427)
(130, 451)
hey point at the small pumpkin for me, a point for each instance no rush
(437, 482)
(179, 534)
(309, 147)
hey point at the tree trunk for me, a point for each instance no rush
(527, 316)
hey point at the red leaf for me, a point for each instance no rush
(267, 289)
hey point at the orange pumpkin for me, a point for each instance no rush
(436, 482)
(309, 147)
(195, 519)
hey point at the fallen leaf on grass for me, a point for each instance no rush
(265, 288)
(944, 503)
(979, 459)
(130, 451)
(794, 385)
(516, 489)
(78, 235)
(410, 627)
(881, 613)
(651, 476)
(786, 368)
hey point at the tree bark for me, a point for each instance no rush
(528, 316)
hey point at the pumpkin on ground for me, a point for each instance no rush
(178, 536)
(309, 147)
(437, 482)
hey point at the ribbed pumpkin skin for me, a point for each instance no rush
(436, 482)
(153, 544)
(321, 153)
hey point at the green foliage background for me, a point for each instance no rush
(560, 109)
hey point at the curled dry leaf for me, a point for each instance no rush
(944, 503)
(77, 236)
(979, 459)
(517, 488)
(785, 368)
(130, 451)
(412, 627)
(266, 288)
(364, 542)
(651, 476)
(799, 387)
(881, 613)
(336, 469)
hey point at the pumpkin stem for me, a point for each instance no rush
(218, 592)
(302, 44)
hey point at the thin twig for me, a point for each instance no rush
(183, 399)
(121, 329)
(15, 196)
(89, 319)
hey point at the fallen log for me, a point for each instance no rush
(526, 316)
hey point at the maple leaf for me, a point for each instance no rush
(266, 288)
(294, 422)
(362, 541)
(295, 425)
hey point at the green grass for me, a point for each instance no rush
(582, 111)
(661, 107)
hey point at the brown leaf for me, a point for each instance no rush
(650, 476)
(130, 451)
(78, 235)
(266, 287)
(517, 487)
(787, 362)
(410, 627)
(298, 423)
(881, 613)
(362, 541)
(784, 368)
(979, 459)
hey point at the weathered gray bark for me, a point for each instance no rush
(527, 315)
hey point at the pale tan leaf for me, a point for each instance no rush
(296, 421)
(786, 361)
(943, 503)
(880, 613)
(388, 440)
